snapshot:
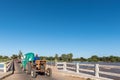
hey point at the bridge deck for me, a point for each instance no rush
(20, 75)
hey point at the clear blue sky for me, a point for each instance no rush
(46, 27)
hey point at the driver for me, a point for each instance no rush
(36, 58)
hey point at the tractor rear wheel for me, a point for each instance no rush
(49, 72)
(28, 68)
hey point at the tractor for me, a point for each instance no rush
(34, 67)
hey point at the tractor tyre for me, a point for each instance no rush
(49, 72)
(33, 74)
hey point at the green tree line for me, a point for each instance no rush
(63, 57)
(69, 57)
(13, 56)
(4, 58)
(95, 58)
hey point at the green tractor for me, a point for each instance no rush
(33, 67)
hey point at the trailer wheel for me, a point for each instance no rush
(49, 72)
(33, 74)
(28, 68)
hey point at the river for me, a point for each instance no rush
(1, 65)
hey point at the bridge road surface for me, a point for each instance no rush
(20, 75)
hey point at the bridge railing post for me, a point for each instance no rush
(5, 67)
(77, 67)
(97, 70)
(64, 66)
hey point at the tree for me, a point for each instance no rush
(82, 59)
(69, 57)
(14, 56)
(76, 59)
(113, 58)
(5, 57)
(56, 57)
(64, 57)
(60, 58)
(93, 58)
(1, 57)
(20, 54)
(43, 57)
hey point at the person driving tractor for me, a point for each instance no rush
(36, 58)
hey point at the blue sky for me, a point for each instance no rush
(46, 27)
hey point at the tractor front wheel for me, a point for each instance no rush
(33, 74)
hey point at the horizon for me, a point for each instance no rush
(61, 55)
(84, 28)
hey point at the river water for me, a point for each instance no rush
(1, 65)
(101, 63)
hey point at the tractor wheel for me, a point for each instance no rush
(28, 68)
(33, 74)
(49, 72)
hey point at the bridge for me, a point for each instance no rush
(64, 71)
(21, 75)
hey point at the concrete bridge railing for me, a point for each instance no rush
(90, 68)
(6, 66)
